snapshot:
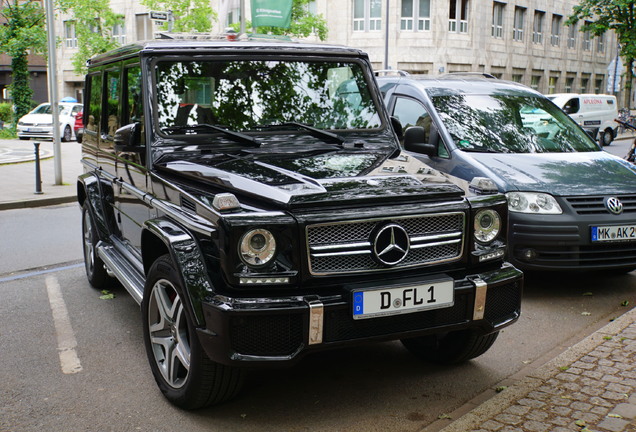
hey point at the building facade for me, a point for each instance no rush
(524, 41)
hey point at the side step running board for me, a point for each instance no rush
(128, 275)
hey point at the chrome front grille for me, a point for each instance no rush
(348, 247)
(593, 205)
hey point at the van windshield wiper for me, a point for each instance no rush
(328, 137)
(236, 136)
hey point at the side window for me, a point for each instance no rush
(412, 113)
(133, 100)
(113, 86)
(571, 106)
(94, 114)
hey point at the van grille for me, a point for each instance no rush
(593, 205)
(348, 247)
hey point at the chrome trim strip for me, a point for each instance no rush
(343, 253)
(341, 246)
(436, 236)
(481, 290)
(441, 243)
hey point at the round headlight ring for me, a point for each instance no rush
(257, 247)
(487, 225)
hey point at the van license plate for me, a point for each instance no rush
(613, 233)
(403, 299)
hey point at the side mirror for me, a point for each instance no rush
(128, 138)
(415, 141)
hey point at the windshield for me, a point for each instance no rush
(504, 123)
(242, 95)
(46, 109)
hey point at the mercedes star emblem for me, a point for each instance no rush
(391, 244)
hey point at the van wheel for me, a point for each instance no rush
(452, 348)
(184, 373)
(607, 137)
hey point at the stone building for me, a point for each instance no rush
(519, 40)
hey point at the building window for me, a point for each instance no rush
(555, 38)
(600, 43)
(572, 36)
(367, 15)
(517, 31)
(70, 38)
(517, 78)
(552, 84)
(598, 85)
(119, 33)
(497, 19)
(587, 39)
(569, 82)
(458, 16)
(416, 8)
(537, 27)
(585, 82)
(534, 83)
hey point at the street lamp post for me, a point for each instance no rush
(53, 97)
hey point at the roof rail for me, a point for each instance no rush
(390, 72)
(469, 74)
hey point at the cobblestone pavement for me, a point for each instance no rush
(589, 388)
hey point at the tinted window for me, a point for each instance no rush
(243, 95)
(93, 116)
(113, 87)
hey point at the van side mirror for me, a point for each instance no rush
(415, 141)
(128, 138)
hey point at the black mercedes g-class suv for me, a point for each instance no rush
(253, 198)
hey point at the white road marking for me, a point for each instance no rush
(66, 342)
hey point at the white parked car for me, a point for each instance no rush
(39, 122)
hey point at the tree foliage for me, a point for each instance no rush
(618, 16)
(94, 21)
(22, 34)
(303, 23)
(189, 15)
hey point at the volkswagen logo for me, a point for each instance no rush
(391, 244)
(614, 205)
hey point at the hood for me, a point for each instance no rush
(304, 181)
(38, 119)
(560, 174)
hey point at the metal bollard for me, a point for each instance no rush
(38, 178)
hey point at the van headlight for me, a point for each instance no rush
(487, 225)
(257, 247)
(533, 202)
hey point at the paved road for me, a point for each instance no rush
(368, 388)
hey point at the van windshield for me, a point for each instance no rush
(503, 123)
(245, 95)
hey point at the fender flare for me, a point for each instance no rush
(89, 192)
(161, 236)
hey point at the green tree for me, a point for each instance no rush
(94, 21)
(22, 34)
(618, 16)
(303, 23)
(188, 15)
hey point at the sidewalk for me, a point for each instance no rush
(591, 387)
(17, 174)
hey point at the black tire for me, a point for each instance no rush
(452, 348)
(93, 264)
(184, 373)
(607, 136)
(68, 134)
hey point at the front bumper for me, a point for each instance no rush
(279, 331)
(564, 242)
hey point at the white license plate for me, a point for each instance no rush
(613, 233)
(403, 299)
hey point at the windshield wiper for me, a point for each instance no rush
(328, 137)
(236, 136)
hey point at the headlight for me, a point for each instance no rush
(532, 202)
(487, 225)
(257, 247)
